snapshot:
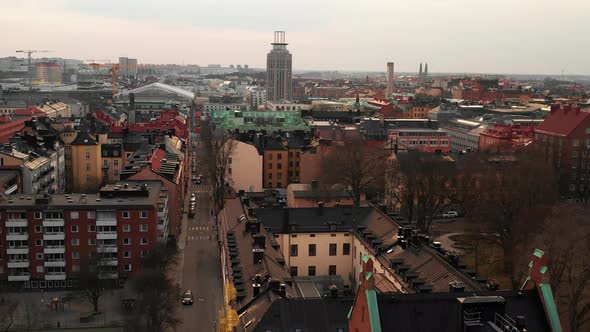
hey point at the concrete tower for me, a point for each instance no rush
(278, 70)
(389, 80)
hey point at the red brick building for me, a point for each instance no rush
(15, 122)
(46, 239)
(564, 138)
(503, 137)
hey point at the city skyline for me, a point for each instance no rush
(483, 38)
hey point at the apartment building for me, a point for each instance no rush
(36, 170)
(86, 163)
(44, 240)
(112, 162)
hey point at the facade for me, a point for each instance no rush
(112, 162)
(429, 140)
(281, 160)
(48, 73)
(86, 161)
(464, 134)
(54, 109)
(244, 170)
(128, 67)
(35, 170)
(47, 239)
(278, 70)
(285, 106)
(256, 96)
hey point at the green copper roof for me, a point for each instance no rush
(543, 269)
(255, 120)
(538, 253)
(551, 308)
(365, 258)
(373, 310)
(369, 275)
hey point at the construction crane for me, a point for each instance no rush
(114, 71)
(29, 52)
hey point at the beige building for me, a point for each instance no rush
(86, 163)
(56, 109)
(244, 170)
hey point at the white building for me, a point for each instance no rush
(464, 134)
(128, 67)
(257, 96)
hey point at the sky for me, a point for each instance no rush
(464, 36)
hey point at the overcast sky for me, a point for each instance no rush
(500, 36)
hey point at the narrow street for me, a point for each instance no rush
(200, 260)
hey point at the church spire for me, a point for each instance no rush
(420, 72)
(426, 70)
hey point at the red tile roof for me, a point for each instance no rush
(157, 157)
(563, 121)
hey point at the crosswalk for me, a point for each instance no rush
(199, 228)
(198, 237)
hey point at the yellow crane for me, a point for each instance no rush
(114, 71)
(29, 52)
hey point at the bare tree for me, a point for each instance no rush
(357, 166)
(222, 149)
(158, 296)
(92, 280)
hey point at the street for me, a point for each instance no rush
(200, 262)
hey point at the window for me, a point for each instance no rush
(279, 166)
(91, 241)
(311, 270)
(279, 176)
(126, 215)
(294, 250)
(346, 249)
(116, 173)
(572, 187)
(116, 162)
(294, 271)
(127, 241)
(311, 235)
(88, 167)
(39, 256)
(37, 215)
(87, 156)
(38, 229)
(270, 177)
(74, 215)
(333, 248)
(75, 242)
(143, 228)
(75, 228)
(38, 243)
(88, 178)
(143, 215)
(575, 142)
(311, 249)
(91, 215)
(105, 162)
(91, 228)
(143, 241)
(270, 156)
(575, 153)
(126, 228)
(127, 267)
(332, 270)
(143, 253)
(39, 268)
(269, 165)
(127, 254)
(279, 156)
(76, 255)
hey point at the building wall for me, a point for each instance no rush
(428, 143)
(462, 139)
(322, 260)
(86, 179)
(244, 171)
(418, 112)
(278, 75)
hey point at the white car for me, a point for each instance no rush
(450, 214)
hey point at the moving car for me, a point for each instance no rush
(450, 214)
(187, 298)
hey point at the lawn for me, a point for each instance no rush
(490, 263)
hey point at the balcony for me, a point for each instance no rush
(53, 222)
(106, 236)
(17, 250)
(55, 276)
(109, 262)
(107, 249)
(106, 222)
(54, 236)
(109, 275)
(55, 263)
(19, 277)
(17, 223)
(17, 236)
(15, 263)
(54, 250)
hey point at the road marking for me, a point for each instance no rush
(198, 237)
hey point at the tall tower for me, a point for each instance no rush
(426, 70)
(420, 72)
(389, 80)
(278, 70)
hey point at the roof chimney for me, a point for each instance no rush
(320, 208)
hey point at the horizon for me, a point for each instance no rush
(326, 36)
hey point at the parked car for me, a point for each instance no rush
(187, 298)
(450, 214)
